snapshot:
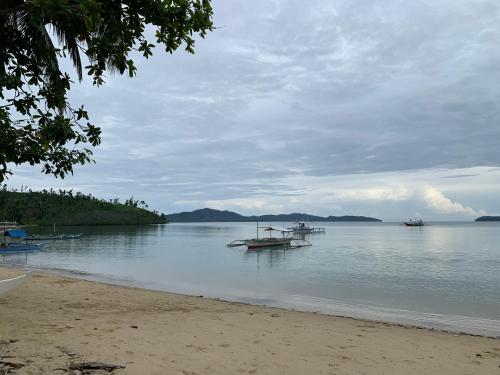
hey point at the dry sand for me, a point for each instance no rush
(51, 322)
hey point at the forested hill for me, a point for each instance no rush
(68, 208)
(211, 215)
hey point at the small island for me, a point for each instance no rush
(205, 215)
(488, 218)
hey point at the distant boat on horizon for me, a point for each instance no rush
(414, 223)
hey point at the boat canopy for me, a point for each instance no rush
(16, 233)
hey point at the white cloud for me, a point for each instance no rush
(411, 191)
(438, 201)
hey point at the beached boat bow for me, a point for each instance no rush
(8, 284)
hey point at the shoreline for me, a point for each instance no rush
(71, 320)
(362, 314)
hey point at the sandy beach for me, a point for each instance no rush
(53, 322)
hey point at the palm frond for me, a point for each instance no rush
(38, 35)
(69, 40)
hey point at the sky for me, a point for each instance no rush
(383, 108)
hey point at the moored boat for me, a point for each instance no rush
(414, 223)
(267, 242)
(301, 227)
(54, 236)
(17, 242)
(271, 242)
(50, 237)
(20, 247)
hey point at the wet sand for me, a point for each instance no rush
(52, 322)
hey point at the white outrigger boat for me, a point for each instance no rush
(8, 284)
(301, 227)
(269, 242)
(414, 223)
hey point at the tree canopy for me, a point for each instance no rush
(66, 207)
(37, 123)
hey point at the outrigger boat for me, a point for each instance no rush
(269, 242)
(50, 237)
(53, 237)
(20, 243)
(301, 227)
(19, 247)
(414, 223)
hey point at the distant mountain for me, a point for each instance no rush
(210, 215)
(205, 215)
(488, 218)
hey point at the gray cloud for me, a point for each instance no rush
(285, 88)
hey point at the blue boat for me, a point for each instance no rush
(21, 245)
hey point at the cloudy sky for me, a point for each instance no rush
(387, 108)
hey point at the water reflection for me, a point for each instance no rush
(309, 236)
(14, 259)
(272, 257)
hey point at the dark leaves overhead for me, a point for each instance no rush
(37, 124)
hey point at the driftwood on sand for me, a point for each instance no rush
(93, 366)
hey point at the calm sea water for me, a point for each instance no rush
(446, 275)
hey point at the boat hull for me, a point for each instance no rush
(54, 237)
(414, 224)
(303, 231)
(267, 242)
(20, 247)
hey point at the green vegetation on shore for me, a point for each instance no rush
(211, 215)
(63, 207)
